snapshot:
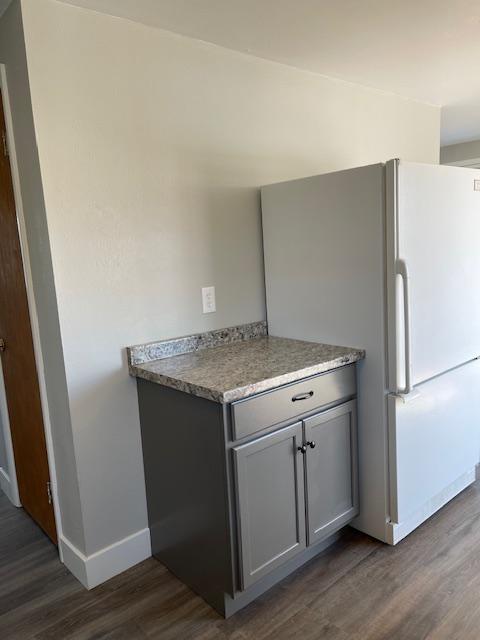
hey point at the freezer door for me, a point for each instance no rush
(434, 443)
(433, 270)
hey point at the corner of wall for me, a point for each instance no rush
(39, 272)
(108, 562)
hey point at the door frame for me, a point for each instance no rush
(37, 346)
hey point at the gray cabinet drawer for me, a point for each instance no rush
(266, 409)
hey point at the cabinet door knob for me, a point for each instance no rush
(303, 449)
(311, 444)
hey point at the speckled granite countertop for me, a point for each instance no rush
(225, 372)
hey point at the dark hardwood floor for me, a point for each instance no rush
(428, 586)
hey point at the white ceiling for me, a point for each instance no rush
(427, 50)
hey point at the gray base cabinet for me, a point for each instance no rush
(234, 507)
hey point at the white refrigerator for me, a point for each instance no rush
(386, 257)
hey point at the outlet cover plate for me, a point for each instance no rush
(208, 300)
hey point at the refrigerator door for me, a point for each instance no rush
(433, 270)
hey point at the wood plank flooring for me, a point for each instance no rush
(428, 586)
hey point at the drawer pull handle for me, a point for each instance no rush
(303, 449)
(311, 444)
(302, 396)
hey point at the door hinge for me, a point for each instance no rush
(5, 144)
(49, 493)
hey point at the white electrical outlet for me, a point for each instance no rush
(208, 299)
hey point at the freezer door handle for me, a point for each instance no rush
(402, 271)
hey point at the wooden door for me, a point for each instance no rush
(271, 504)
(18, 361)
(331, 470)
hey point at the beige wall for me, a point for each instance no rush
(152, 148)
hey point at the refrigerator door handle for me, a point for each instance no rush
(402, 271)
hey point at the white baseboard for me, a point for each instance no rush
(397, 531)
(6, 487)
(108, 562)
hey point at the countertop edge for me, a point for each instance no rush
(242, 393)
(173, 383)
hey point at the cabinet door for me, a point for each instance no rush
(331, 470)
(271, 501)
